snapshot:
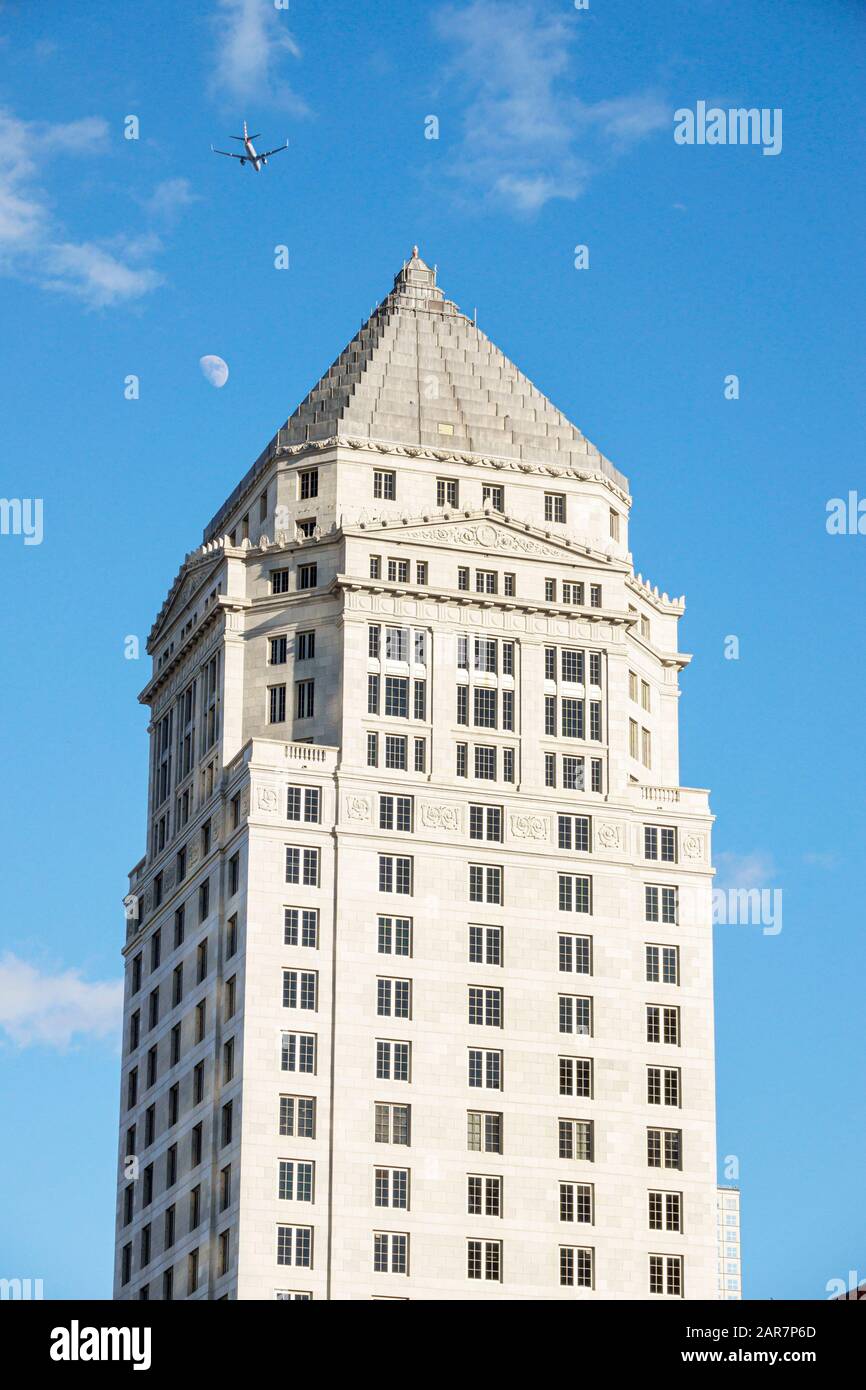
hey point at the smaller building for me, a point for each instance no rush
(730, 1264)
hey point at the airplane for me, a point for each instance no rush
(251, 157)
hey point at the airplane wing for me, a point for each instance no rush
(229, 154)
(266, 154)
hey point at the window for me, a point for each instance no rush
(305, 694)
(461, 751)
(554, 506)
(384, 484)
(295, 1181)
(446, 492)
(663, 964)
(575, 1266)
(234, 874)
(646, 756)
(613, 524)
(484, 1260)
(576, 1202)
(575, 954)
(484, 708)
(295, 1246)
(573, 773)
(192, 1271)
(662, 1024)
(462, 577)
(572, 717)
(223, 1253)
(485, 581)
(301, 927)
(308, 483)
(375, 566)
(298, 1117)
(392, 1124)
(226, 1129)
(485, 1068)
(575, 832)
(484, 1131)
(483, 1195)
(485, 823)
(572, 593)
(276, 704)
(398, 570)
(396, 697)
(395, 874)
(396, 746)
(278, 653)
(393, 1060)
(661, 903)
(420, 754)
(494, 495)
(507, 710)
(419, 700)
(308, 576)
(372, 750)
(550, 716)
(485, 1006)
(665, 1211)
(575, 1076)
(485, 883)
(300, 989)
(393, 998)
(298, 1052)
(421, 572)
(231, 936)
(664, 1148)
(485, 763)
(372, 693)
(279, 581)
(575, 1014)
(463, 704)
(390, 1252)
(395, 936)
(663, 1086)
(660, 842)
(666, 1275)
(550, 591)
(302, 866)
(391, 1188)
(485, 945)
(575, 893)
(595, 596)
(397, 643)
(576, 1139)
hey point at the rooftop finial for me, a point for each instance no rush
(415, 253)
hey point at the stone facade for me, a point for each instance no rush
(412, 654)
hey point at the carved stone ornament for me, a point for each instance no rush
(693, 846)
(438, 817)
(268, 800)
(609, 836)
(358, 807)
(530, 827)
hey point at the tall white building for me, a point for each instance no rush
(730, 1260)
(419, 993)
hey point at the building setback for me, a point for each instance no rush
(418, 962)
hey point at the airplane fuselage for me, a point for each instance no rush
(253, 158)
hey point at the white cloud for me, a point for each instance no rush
(38, 1007)
(36, 246)
(251, 41)
(527, 137)
(169, 198)
(755, 869)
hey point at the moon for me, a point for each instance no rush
(214, 370)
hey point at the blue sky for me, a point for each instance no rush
(122, 257)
